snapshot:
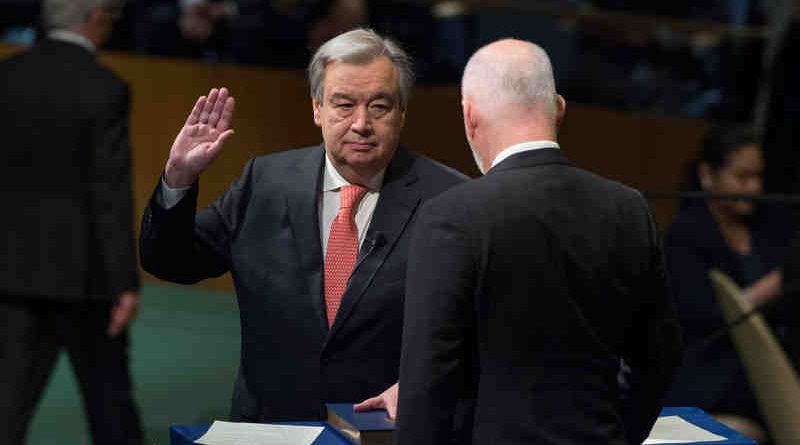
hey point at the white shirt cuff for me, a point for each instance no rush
(169, 196)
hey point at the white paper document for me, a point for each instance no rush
(673, 429)
(235, 433)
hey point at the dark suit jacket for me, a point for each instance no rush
(693, 246)
(525, 288)
(64, 176)
(265, 231)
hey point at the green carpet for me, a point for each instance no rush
(184, 357)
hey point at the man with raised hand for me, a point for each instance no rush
(314, 238)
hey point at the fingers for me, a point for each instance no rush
(214, 110)
(209, 105)
(123, 313)
(387, 400)
(380, 402)
(115, 325)
(370, 404)
(226, 114)
(218, 106)
(390, 400)
(194, 116)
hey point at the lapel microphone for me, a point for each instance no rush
(371, 243)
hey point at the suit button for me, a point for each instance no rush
(325, 360)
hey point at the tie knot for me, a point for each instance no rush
(351, 195)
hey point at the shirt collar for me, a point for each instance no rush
(524, 146)
(64, 35)
(333, 180)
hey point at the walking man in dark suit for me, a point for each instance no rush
(69, 277)
(528, 287)
(314, 238)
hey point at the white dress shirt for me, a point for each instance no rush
(329, 202)
(72, 37)
(522, 147)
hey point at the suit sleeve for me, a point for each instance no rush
(437, 328)
(181, 245)
(110, 194)
(655, 354)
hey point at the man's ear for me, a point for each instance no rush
(316, 108)
(402, 118)
(92, 24)
(470, 119)
(561, 109)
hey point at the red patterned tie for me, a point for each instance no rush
(340, 256)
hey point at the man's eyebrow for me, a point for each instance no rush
(383, 95)
(341, 96)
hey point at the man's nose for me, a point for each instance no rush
(361, 121)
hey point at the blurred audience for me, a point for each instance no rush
(668, 69)
(654, 65)
(279, 33)
(749, 243)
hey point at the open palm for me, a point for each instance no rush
(201, 138)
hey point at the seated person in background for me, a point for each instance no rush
(748, 242)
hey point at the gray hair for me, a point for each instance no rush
(519, 76)
(68, 14)
(360, 46)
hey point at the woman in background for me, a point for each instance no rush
(747, 242)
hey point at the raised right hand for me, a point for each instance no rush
(201, 138)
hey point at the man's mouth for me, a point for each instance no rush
(360, 146)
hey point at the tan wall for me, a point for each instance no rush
(274, 113)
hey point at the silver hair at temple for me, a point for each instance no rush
(360, 46)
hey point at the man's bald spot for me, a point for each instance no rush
(510, 73)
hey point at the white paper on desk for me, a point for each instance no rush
(236, 433)
(673, 429)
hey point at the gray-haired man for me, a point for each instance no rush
(69, 277)
(315, 238)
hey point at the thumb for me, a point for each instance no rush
(213, 150)
(391, 410)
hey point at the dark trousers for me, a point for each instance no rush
(32, 333)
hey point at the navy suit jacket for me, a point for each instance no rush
(265, 232)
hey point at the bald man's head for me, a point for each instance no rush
(511, 74)
(508, 97)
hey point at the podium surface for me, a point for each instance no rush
(187, 434)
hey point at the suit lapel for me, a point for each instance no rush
(302, 200)
(398, 200)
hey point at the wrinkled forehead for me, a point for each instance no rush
(376, 75)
